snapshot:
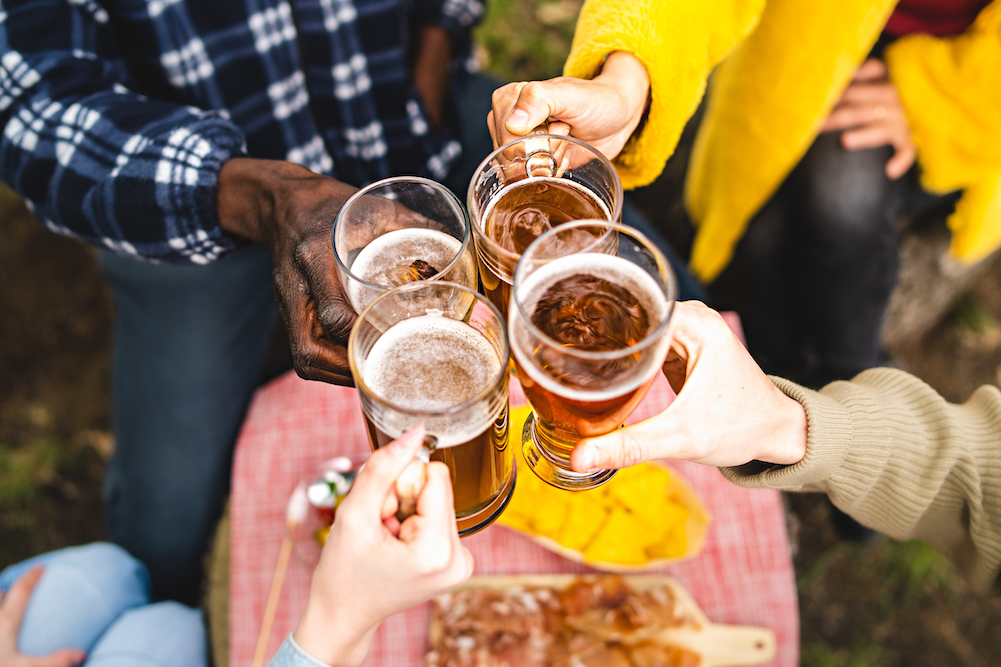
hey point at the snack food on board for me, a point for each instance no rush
(569, 620)
(595, 621)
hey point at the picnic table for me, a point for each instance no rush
(742, 576)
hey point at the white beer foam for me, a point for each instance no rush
(431, 363)
(615, 270)
(401, 247)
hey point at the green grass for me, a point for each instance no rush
(525, 40)
(858, 602)
(819, 654)
(49, 496)
(971, 315)
(24, 471)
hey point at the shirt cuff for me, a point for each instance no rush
(290, 654)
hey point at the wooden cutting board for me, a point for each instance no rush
(718, 645)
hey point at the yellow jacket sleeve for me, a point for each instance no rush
(679, 42)
(951, 91)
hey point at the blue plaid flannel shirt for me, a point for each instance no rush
(117, 115)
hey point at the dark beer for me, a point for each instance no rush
(429, 365)
(591, 303)
(519, 214)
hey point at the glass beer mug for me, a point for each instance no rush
(399, 230)
(527, 187)
(436, 353)
(588, 327)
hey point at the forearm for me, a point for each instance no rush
(892, 453)
(456, 17)
(334, 637)
(431, 69)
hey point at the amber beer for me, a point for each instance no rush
(446, 374)
(589, 350)
(519, 214)
(528, 186)
(405, 255)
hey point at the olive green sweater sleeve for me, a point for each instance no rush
(893, 454)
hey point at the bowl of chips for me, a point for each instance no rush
(645, 517)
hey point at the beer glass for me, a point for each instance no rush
(399, 230)
(528, 186)
(436, 352)
(589, 332)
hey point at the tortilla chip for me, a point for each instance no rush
(617, 540)
(584, 518)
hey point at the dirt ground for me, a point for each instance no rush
(55, 350)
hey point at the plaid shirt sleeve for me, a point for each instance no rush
(95, 159)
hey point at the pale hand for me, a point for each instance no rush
(871, 114)
(12, 608)
(372, 566)
(603, 111)
(727, 412)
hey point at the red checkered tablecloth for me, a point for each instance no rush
(743, 575)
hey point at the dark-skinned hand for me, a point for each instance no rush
(291, 210)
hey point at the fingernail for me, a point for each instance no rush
(589, 458)
(518, 118)
(406, 441)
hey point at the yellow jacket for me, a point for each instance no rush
(782, 67)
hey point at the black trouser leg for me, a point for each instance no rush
(843, 241)
(813, 274)
(756, 284)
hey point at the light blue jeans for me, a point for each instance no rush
(96, 598)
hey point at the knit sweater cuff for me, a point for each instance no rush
(829, 428)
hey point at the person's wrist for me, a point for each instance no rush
(245, 196)
(335, 639)
(788, 443)
(628, 75)
(254, 194)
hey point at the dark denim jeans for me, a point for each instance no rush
(189, 343)
(812, 275)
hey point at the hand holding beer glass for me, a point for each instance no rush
(436, 353)
(527, 187)
(399, 230)
(588, 326)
